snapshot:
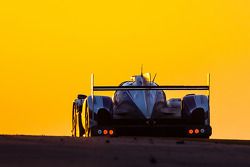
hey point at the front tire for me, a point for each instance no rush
(73, 131)
(77, 127)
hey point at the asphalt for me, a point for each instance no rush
(121, 152)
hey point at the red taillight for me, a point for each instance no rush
(190, 131)
(111, 132)
(196, 131)
(105, 132)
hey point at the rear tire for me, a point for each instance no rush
(198, 116)
(103, 117)
(87, 132)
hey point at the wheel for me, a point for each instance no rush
(103, 117)
(87, 132)
(77, 127)
(73, 131)
(198, 116)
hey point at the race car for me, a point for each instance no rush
(140, 107)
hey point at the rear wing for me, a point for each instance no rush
(175, 87)
(169, 87)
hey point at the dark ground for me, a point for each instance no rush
(121, 152)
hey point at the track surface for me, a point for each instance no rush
(121, 151)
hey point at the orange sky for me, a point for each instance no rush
(49, 48)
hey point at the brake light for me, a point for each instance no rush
(190, 131)
(105, 132)
(196, 131)
(111, 132)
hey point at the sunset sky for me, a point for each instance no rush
(49, 48)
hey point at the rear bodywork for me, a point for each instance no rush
(140, 107)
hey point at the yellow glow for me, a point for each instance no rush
(49, 48)
(147, 76)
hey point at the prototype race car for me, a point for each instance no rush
(139, 107)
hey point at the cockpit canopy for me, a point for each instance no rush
(143, 100)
